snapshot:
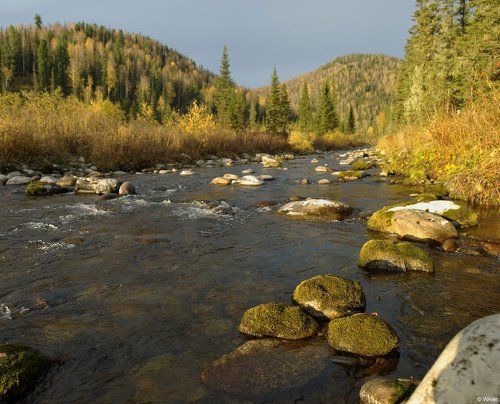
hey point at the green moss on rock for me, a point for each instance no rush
(20, 370)
(38, 188)
(362, 334)
(329, 296)
(350, 174)
(360, 165)
(278, 320)
(465, 217)
(391, 255)
(426, 197)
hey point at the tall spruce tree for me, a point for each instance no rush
(285, 111)
(305, 110)
(229, 103)
(61, 65)
(43, 63)
(351, 122)
(253, 115)
(326, 116)
(273, 110)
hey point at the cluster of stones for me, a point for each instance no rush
(325, 301)
(360, 160)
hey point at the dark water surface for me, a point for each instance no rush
(136, 296)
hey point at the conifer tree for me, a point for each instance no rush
(44, 70)
(284, 111)
(38, 21)
(326, 116)
(351, 122)
(305, 110)
(229, 103)
(61, 65)
(253, 115)
(273, 110)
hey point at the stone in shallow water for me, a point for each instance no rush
(248, 180)
(18, 180)
(263, 367)
(20, 370)
(330, 296)
(468, 367)
(321, 169)
(362, 334)
(231, 177)
(394, 256)
(317, 209)
(278, 320)
(221, 181)
(422, 226)
(385, 391)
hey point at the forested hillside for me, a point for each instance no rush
(94, 62)
(364, 82)
(448, 104)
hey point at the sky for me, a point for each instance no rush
(296, 36)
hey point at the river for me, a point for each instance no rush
(136, 296)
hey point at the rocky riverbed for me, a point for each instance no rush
(142, 286)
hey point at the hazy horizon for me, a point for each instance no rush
(289, 34)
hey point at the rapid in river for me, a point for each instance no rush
(136, 296)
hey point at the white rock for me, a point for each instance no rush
(321, 169)
(164, 171)
(13, 174)
(248, 171)
(18, 180)
(438, 207)
(231, 177)
(467, 370)
(3, 179)
(49, 180)
(324, 181)
(266, 177)
(226, 162)
(314, 161)
(249, 180)
(221, 181)
(186, 172)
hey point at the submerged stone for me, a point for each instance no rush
(362, 334)
(262, 367)
(20, 370)
(317, 209)
(386, 391)
(277, 320)
(330, 296)
(394, 256)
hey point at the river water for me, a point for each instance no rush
(136, 296)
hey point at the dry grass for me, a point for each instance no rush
(42, 129)
(302, 142)
(462, 149)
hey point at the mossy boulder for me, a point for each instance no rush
(349, 175)
(278, 320)
(38, 188)
(394, 256)
(385, 391)
(329, 296)
(317, 209)
(360, 165)
(426, 197)
(20, 370)
(362, 334)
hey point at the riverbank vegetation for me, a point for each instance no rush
(447, 101)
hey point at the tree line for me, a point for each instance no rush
(452, 58)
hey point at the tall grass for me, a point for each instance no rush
(462, 149)
(303, 142)
(42, 129)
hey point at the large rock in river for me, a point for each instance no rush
(20, 370)
(385, 391)
(97, 185)
(330, 296)
(467, 370)
(457, 212)
(317, 209)
(362, 334)
(271, 162)
(422, 226)
(277, 320)
(394, 256)
(248, 180)
(261, 368)
(39, 188)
